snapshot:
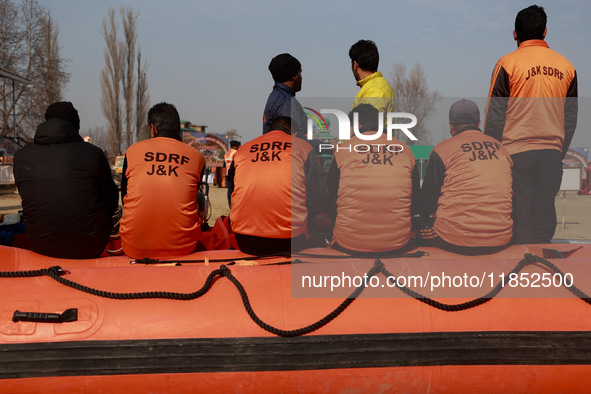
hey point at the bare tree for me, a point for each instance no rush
(232, 135)
(52, 65)
(111, 76)
(48, 72)
(125, 95)
(29, 48)
(99, 137)
(412, 95)
(143, 100)
(10, 56)
(128, 21)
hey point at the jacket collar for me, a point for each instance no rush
(282, 129)
(284, 87)
(533, 43)
(169, 134)
(467, 128)
(365, 80)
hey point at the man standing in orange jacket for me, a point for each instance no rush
(532, 110)
(228, 160)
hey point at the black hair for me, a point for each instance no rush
(365, 53)
(530, 23)
(282, 123)
(368, 116)
(165, 117)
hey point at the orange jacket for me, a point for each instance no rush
(532, 100)
(371, 194)
(159, 191)
(277, 183)
(229, 158)
(467, 191)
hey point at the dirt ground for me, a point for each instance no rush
(576, 210)
(10, 201)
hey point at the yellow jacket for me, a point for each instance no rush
(376, 91)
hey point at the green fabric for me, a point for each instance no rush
(421, 151)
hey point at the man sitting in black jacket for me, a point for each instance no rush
(68, 194)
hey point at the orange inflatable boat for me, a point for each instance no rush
(319, 321)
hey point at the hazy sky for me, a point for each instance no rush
(210, 58)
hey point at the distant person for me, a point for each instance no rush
(228, 160)
(278, 191)
(375, 90)
(373, 193)
(159, 190)
(466, 195)
(68, 194)
(532, 110)
(287, 74)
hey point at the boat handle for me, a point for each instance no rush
(69, 315)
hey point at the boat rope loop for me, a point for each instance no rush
(528, 259)
(305, 330)
(56, 273)
(455, 307)
(573, 289)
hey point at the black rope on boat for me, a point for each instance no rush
(529, 259)
(56, 274)
(57, 270)
(142, 295)
(304, 330)
(149, 261)
(455, 307)
(417, 254)
(573, 289)
(288, 262)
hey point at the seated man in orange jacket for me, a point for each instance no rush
(373, 190)
(466, 198)
(159, 191)
(278, 189)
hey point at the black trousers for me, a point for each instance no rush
(463, 250)
(259, 246)
(536, 180)
(410, 245)
(230, 186)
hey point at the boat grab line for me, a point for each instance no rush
(57, 273)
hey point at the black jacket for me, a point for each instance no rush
(67, 192)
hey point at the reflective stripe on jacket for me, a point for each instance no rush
(229, 158)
